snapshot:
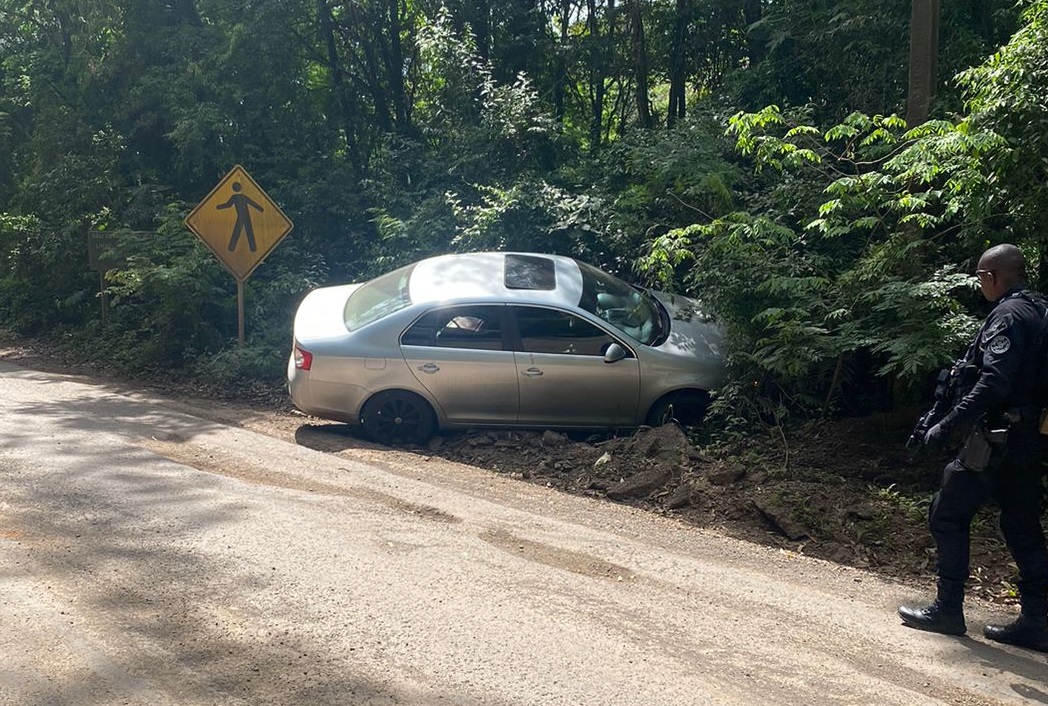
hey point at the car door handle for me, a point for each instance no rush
(429, 368)
(532, 372)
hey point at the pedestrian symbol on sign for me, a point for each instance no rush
(241, 202)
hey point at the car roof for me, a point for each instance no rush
(526, 277)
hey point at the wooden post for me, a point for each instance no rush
(105, 297)
(240, 311)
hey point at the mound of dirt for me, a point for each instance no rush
(642, 468)
(845, 491)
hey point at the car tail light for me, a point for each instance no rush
(303, 359)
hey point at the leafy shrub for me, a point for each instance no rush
(812, 290)
(257, 365)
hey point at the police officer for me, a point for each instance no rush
(1005, 394)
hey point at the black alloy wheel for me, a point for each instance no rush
(397, 418)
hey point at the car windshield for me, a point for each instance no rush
(629, 309)
(380, 297)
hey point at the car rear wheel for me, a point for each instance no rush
(686, 407)
(397, 418)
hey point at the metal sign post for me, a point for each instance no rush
(241, 225)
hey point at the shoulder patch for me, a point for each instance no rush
(1000, 345)
(994, 329)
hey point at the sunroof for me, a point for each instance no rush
(530, 272)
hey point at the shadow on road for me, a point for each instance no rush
(1032, 666)
(120, 535)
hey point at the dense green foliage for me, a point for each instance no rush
(832, 240)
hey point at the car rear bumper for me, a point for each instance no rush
(326, 399)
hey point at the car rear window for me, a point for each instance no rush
(380, 297)
(473, 327)
(530, 272)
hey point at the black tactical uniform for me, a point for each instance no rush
(1006, 392)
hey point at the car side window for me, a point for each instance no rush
(551, 331)
(474, 327)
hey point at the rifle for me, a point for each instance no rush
(944, 389)
(951, 385)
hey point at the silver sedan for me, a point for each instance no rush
(500, 339)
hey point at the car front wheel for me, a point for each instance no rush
(687, 408)
(397, 418)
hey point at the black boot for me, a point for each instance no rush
(1027, 630)
(936, 617)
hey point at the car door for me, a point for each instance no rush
(462, 356)
(563, 377)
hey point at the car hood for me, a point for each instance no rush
(692, 332)
(320, 315)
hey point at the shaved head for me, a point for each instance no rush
(1007, 262)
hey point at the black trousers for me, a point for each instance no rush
(1014, 478)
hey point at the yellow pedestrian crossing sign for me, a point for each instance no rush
(239, 223)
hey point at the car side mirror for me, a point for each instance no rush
(614, 354)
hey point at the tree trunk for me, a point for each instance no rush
(394, 55)
(597, 88)
(752, 13)
(327, 35)
(640, 65)
(924, 55)
(560, 78)
(678, 106)
(379, 92)
(482, 29)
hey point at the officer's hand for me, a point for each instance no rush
(934, 436)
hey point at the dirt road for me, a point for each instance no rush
(150, 554)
